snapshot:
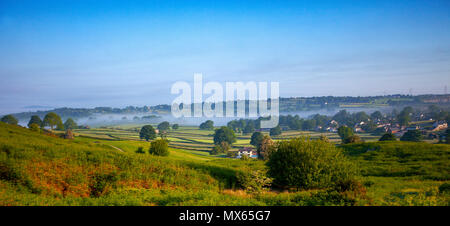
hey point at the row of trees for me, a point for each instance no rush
(51, 120)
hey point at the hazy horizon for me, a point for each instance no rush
(87, 54)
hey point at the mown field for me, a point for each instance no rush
(100, 167)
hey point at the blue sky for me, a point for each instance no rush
(119, 53)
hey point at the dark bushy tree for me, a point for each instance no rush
(140, 150)
(207, 125)
(412, 135)
(447, 136)
(147, 132)
(224, 134)
(175, 126)
(159, 147)
(35, 120)
(309, 164)
(256, 139)
(52, 119)
(388, 137)
(10, 120)
(275, 131)
(249, 128)
(70, 124)
(163, 126)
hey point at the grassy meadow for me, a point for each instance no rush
(101, 167)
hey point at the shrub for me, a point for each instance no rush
(344, 132)
(9, 119)
(35, 127)
(223, 147)
(275, 131)
(388, 137)
(245, 157)
(444, 188)
(412, 135)
(304, 163)
(140, 150)
(352, 139)
(102, 183)
(253, 180)
(159, 147)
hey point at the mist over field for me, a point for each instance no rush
(97, 120)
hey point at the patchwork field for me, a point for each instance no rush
(193, 139)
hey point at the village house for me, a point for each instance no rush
(248, 151)
(439, 125)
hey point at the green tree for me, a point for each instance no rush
(163, 126)
(266, 148)
(224, 134)
(309, 164)
(175, 126)
(249, 128)
(70, 124)
(412, 135)
(344, 132)
(147, 132)
(388, 137)
(377, 115)
(223, 147)
(35, 120)
(52, 119)
(10, 119)
(159, 147)
(361, 117)
(275, 131)
(257, 138)
(405, 116)
(207, 125)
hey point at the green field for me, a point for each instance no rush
(100, 167)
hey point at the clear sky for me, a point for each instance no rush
(119, 53)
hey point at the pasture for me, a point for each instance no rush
(101, 167)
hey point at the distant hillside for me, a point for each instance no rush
(291, 104)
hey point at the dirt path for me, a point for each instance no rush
(116, 148)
